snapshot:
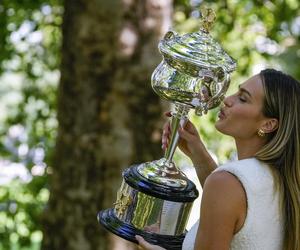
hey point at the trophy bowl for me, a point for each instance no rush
(155, 198)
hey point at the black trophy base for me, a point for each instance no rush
(108, 219)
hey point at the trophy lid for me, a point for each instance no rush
(194, 52)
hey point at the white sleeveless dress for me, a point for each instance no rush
(263, 226)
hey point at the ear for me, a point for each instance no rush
(269, 125)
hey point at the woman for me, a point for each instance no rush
(252, 203)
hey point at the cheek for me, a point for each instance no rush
(244, 117)
(245, 114)
(236, 129)
(241, 122)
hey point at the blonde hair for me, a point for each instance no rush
(282, 151)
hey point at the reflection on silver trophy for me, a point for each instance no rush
(155, 198)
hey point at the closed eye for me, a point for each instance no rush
(242, 99)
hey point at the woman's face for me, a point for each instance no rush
(241, 116)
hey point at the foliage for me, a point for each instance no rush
(257, 33)
(29, 60)
(24, 204)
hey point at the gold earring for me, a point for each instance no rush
(261, 133)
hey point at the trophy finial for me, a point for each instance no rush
(208, 17)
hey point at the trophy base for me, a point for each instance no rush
(126, 231)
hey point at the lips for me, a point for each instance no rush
(221, 114)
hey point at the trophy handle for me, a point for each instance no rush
(222, 78)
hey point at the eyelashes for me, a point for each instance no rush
(242, 99)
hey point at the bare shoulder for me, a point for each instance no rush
(222, 180)
(225, 187)
(223, 207)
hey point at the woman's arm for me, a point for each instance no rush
(223, 211)
(203, 162)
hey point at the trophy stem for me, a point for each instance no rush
(179, 118)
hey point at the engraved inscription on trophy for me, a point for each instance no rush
(123, 200)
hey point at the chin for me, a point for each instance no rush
(221, 128)
(218, 125)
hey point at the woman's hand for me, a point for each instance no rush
(146, 245)
(189, 141)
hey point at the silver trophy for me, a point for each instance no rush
(155, 198)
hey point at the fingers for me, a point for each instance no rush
(185, 135)
(146, 245)
(166, 132)
(165, 136)
(168, 114)
(189, 132)
(190, 128)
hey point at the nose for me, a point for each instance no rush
(228, 101)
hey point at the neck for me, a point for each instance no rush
(248, 148)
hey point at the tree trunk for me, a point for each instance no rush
(108, 114)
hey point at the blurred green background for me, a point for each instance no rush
(258, 34)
